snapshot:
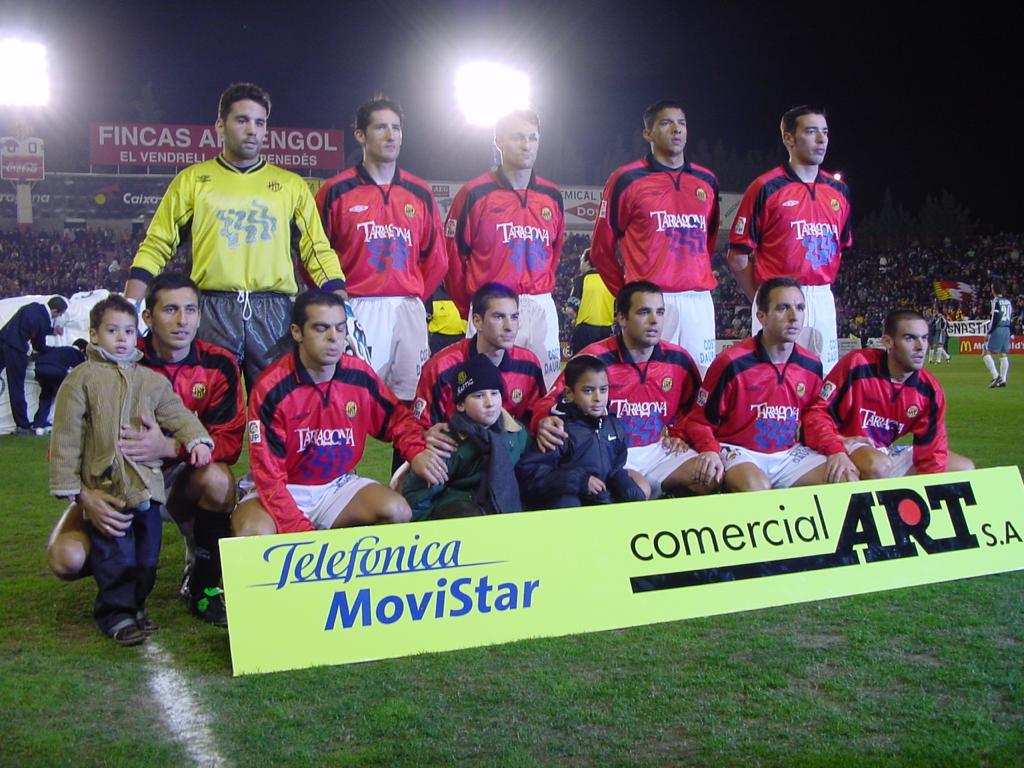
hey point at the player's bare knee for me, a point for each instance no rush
(213, 487)
(393, 508)
(641, 482)
(877, 467)
(250, 519)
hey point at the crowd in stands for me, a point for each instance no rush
(869, 284)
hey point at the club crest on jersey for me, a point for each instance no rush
(274, 186)
(702, 397)
(449, 228)
(517, 395)
(545, 213)
(254, 432)
(666, 384)
(835, 205)
(912, 411)
(800, 389)
(741, 225)
(410, 211)
(351, 409)
(418, 407)
(702, 195)
(198, 391)
(827, 390)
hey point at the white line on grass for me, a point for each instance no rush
(182, 712)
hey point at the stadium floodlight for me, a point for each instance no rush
(485, 91)
(24, 76)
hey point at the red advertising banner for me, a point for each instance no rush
(156, 144)
(975, 345)
(21, 159)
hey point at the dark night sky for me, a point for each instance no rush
(918, 100)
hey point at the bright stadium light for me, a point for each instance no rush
(24, 76)
(485, 91)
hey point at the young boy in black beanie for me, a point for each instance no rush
(481, 471)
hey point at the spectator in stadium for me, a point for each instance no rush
(310, 415)
(875, 396)
(85, 455)
(593, 305)
(384, 225)
(245, 266)
(29, 326)
(747, 414)
(507, 226)
(652, 384)
(489, 442)
(199, 499)
(496, 322)
(658, 221)
(589, 467)
(794, 221)
(52, 367)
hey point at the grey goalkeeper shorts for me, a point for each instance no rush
(253, 326)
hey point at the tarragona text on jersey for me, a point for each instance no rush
(307, 433)
(387, 236)
(664, 221)
(749, 401)
(794, 229)
(495, 233)
(860, 399)
(243, 224)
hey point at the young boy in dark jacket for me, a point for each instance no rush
(481, 475)
(589, 467)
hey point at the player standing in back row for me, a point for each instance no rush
(384, 224)
(246, 219)
(662, 212)
(507, 226)
(794, 221)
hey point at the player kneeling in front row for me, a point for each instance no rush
(481, 470)
(309, 417)
(875, 396)
(92, 405)
(589, 467)
(747, 415)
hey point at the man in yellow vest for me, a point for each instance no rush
(593, 305)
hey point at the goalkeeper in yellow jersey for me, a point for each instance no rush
(244, 217)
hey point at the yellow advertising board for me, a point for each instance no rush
(336, 597)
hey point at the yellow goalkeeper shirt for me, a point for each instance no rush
(244, 225)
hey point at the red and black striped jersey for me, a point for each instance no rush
(794, 229)
(305, 433)
(387, 236)
(208, 383)
(664, 220)
(495, 233)
(521, 377)
(748, 400)
(650, 399)
(860, 399)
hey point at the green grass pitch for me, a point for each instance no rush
(928, 676)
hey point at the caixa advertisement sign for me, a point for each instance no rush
(335, 597)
